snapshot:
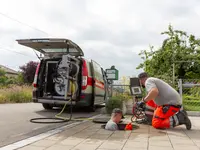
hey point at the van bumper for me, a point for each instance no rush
(85, 101)
(34, 96)
(55, 102)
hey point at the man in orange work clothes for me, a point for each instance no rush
(150, 107)
(168, 101)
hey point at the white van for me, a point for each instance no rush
(61, 63)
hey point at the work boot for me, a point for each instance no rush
(185, 112)
(183, 119)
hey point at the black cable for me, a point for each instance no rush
(60, 120)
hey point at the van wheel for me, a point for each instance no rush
(92, 108)
(47, 106)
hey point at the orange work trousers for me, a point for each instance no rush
(149, 109)
(162, 114)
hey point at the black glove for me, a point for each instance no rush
(141, 104)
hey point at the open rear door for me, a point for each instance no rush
(99, 90)
(53, 46)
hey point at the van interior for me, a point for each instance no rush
(54, 77)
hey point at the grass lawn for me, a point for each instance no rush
(191, 103)
(191, 107)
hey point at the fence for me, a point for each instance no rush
(117, 89)
(189, 90)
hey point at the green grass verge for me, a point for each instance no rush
(16, 94)
(191, 103)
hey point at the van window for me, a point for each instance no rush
(97, 72)
(59, 50)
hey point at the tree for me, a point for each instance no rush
(2, 72)
(178, 48)
(28, 71)
(3, 77)
(20, 79)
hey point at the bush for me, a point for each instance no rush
(16, 94)
(114, 102)
(9, 81)
(3, 80)
(28, 71)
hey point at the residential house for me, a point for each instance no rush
(9, 72)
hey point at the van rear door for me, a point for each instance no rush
(99, 90)
(53, 46)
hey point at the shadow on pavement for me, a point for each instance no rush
(77, 112)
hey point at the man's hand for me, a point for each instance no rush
(141, 104)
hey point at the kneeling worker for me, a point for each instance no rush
(168, 101)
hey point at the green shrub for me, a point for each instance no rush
(3, 80)
(2, 72)
(124, 97)
(114, 102)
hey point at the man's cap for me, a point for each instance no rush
(117, 110)
(143, 75)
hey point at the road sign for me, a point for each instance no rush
(112, 74)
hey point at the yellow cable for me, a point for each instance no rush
(72, 89)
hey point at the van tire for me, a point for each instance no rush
(92, 108)
(47, 106)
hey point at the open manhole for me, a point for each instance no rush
(121, 126)
(104, 120)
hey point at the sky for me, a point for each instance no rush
(111, 32)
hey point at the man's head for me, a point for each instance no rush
(143, 77)
(116, 115)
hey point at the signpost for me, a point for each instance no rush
(112, 74)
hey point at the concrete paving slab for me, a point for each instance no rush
(144, 138)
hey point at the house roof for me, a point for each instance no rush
(8, 70)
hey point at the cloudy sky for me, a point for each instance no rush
(109, 31)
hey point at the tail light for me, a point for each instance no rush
(84, 81)
(36, 76)
(84, 75)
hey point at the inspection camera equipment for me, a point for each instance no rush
(67, 72)
(135, 87)
(137, 110)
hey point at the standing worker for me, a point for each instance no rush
(168, 101)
